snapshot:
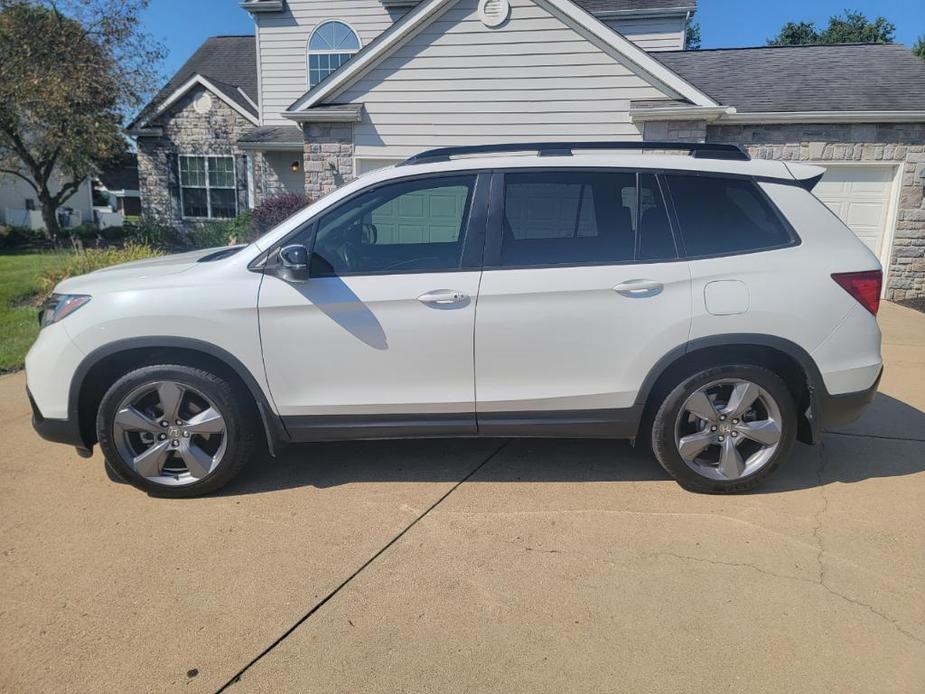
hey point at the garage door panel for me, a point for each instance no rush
(860, 196)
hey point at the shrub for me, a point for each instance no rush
(221, 233)
(149, 233)
(15, 238)
(82, 262)
(274, 209)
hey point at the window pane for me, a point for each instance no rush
(556, 218)
(323, 64)
(655, 239)
(221, 172)
(404, 227)
(192, 171)
(194, 202)
(223, 202)
(720, 215)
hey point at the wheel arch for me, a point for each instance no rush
(106, 364)
(785, 358)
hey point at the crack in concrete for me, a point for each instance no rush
(881, 437)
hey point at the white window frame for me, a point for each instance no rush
(208, 187)
(309, 51)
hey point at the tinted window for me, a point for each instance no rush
(569, 217)
(417, 226)
(720, 215)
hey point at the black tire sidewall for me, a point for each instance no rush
(663, 428)
(228, 399)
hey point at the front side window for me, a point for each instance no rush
(575, 217)
(207, 187)
(725, 215)
(331, 45)
(416, 226)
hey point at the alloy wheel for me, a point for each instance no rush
(728, 429)
(170, 433)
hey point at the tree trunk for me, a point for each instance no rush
(50, 216)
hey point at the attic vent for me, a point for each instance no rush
(494, 12)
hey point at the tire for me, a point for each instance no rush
(208, 441)
(675, 427)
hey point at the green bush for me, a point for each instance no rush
(90, 259)
(220, 232)
(16, 238)
(153, 234)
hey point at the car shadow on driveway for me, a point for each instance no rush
(888, 441)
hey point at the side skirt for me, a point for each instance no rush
(605, 424)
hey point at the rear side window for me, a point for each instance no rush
(576, 217)
(725, 215)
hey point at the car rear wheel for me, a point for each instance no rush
(176, 431)
(725, 429)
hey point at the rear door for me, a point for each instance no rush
(581, 294)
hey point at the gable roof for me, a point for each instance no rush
(228, 64)
(596, 32)
(847, 77)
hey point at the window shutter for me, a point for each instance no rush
(240, 168)
(173, 184)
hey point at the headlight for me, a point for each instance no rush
(59, 306)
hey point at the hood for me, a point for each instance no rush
(137, 271)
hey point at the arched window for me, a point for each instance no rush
(331, 45)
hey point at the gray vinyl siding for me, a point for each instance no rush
(652, 34)
(459, 82)
(283, 42)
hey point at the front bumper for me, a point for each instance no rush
(58, 430)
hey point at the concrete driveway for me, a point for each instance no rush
(475, 566)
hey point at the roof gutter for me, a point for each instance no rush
(352, 113)
(675, 113)
(826, 117)
(271, 146)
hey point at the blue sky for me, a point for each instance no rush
(184, 24)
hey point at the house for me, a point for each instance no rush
(20, 207)
(327, 91)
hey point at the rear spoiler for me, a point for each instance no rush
(805, 175)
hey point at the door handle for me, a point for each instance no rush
(443, 297)
(639, 289)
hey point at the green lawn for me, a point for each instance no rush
(18, 317)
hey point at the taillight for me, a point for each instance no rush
(863, 286)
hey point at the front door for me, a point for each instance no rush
(581, 295)
(379, 340)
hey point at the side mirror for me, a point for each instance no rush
(293, 263)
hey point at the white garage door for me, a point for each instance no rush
(860, 195)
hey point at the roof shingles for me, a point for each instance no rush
(848, 77)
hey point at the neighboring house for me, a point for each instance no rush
(117, 187)
(328, 90)
(19, 205)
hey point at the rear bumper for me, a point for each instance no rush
(834, 410)
(57, 430)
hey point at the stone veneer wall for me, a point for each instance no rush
(187, 131)
(328, 157)
(675, 130)
(902, 144)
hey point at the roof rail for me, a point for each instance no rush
(702, 150)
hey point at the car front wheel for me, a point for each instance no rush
(176, 431)
(725, 429)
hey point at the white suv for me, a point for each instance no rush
(705, 304)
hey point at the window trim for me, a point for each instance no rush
(492, 259)
(309, 51)
(208, 187)
(473, 239)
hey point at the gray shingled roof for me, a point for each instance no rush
(602, 6)
(228, 62)
(273, 134)
(850, 77)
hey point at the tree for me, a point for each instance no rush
(692, 36)
(851, 27)
(70, 69)
(919, 47)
